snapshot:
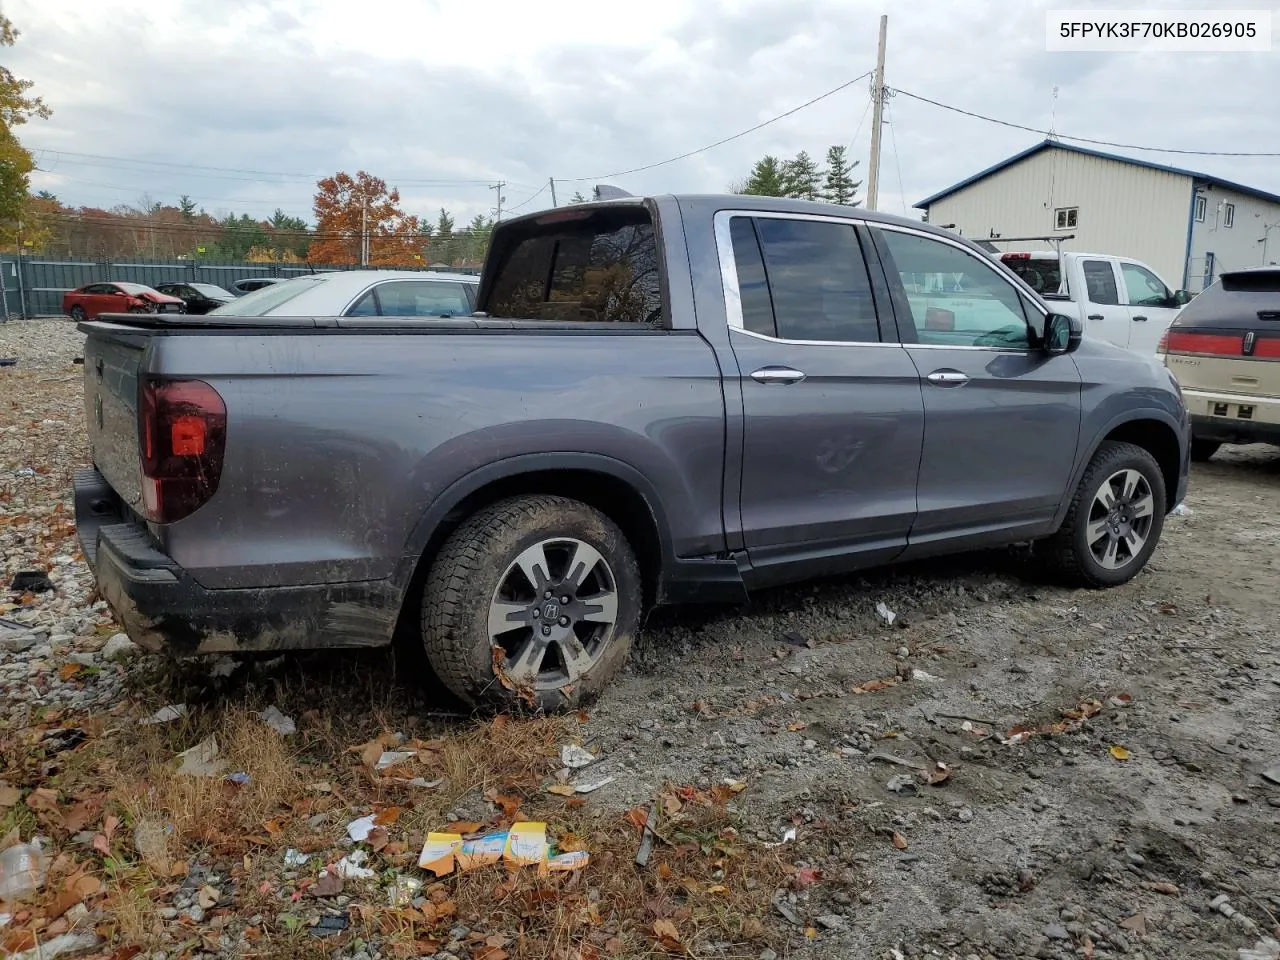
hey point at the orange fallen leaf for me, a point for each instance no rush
(109, 824)
(668, 936)
(274, 827)
(795, 726)
(462, 826)
(387, 816)
(899, 840)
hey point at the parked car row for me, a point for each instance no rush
(358, 293)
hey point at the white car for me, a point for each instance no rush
(360, 293)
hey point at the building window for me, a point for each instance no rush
(1228, 214)
(1064, 218)
(1200, 206)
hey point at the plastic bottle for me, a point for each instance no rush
(22, 869)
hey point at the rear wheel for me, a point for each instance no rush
(1202, 450)
(532, 603)
(1115, 518)
(78, 314)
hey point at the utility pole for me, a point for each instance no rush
(877, 108)
(364, 232)
(498, 187)
(552, 181)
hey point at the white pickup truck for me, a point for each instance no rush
(1120, 300)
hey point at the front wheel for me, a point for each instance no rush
(532, 603)
(1115, 518)
(78, 314)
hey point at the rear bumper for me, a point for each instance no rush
(1262, 425)
(163, 608)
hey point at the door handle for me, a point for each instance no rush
(776, 375)
(1096, 316)
(948, 378)
(1139, 319)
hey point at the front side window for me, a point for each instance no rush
(1144, 287)
(1100, 281)
(955, 298)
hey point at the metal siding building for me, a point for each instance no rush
(1123, 207)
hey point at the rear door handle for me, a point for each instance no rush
(1139, 319)
(776, 375)
(1096, 316)
(948, 378)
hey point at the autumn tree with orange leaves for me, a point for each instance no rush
(342, 202)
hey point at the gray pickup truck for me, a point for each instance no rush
(658, 400)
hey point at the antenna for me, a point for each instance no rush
(1053, 114)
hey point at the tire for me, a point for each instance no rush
(1072, 550)
(78, 314)
(1202, 450)
(558, 655)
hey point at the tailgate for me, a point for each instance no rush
(111, 363)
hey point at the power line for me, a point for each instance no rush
(193, 169)
(1100, 143)
(528, 200)
(718, 143)
(897, 160)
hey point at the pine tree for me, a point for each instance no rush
(766, 178)
(577, 197)
(839, 185)
(800, 177)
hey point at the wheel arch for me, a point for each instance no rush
(613, 487)
(1153, 431)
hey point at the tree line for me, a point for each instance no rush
(802, 179)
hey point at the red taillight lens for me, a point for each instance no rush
(182, 429)
(1206, 344)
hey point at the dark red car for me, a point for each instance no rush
(92, 299)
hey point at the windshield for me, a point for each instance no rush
(212, 290)
(263, 301)
(1041, 274)
(135, 288)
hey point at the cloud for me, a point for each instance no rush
(444, 98)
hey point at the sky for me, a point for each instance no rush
(243, 104)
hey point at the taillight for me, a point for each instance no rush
(1204, 344)
(182, 432)
(1163, 346)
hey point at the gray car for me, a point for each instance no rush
(360, 293)
(661, 400)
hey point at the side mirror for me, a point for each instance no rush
(1062, 333)
(1181, 297)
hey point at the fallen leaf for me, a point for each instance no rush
(505, 802)
(462, 826)
(109, 825)
(795, 726)
(75, 889)
(43, 798)
(69, 670)
(102, 844)
(274, 828)
(899, 840)
(1119, 752)
(1124, 697)
(940, 774)
(489, 953)
(668, 936)
(808, 876)
(377, 839)
(561, 789)
(79, 814)
(208, 896)
(671, 804)
(1169, 889)
(1137, 923)
(387, 816)
(9, 796)
(329, 885)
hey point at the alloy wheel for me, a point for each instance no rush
(1120, 519)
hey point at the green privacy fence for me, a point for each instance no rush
(32, 286)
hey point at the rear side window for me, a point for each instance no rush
(423, 298)
(603, 268)
(1100, 281)
(818, 281)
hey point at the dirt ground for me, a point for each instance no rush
(1009, 769)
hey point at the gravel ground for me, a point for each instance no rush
(1098, 756)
